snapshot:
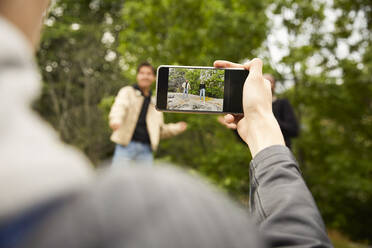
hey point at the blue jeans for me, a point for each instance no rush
(185, 92)
(202, 92)
(135, 153)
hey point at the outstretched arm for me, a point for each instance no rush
(280, 202)
(171, 129)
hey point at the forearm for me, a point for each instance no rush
(281, 203)
(262, 132)
(170, 130)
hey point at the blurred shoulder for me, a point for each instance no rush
(127, 90)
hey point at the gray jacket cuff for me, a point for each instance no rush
(266, 156)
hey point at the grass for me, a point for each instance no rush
(340, 241)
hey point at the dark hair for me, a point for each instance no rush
(146, 64)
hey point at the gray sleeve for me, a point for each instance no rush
(281, 203)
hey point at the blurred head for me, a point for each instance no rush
(272, 81)
(145, 75)
(26, 15)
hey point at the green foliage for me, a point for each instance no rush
(191, 32)
(76, 74)
(214, 82)
(334, 104)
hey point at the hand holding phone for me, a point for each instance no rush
(244, 90)
(258, 126)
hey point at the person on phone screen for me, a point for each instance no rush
(51, 196)
(186, 87)
(137, 126)
(204, 76)
(202, 91)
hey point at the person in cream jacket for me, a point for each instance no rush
(137, 126)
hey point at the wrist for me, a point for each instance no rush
(262, 131)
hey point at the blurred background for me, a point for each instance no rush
(320, 52)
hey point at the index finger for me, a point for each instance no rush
(255, 67)
(226, 64)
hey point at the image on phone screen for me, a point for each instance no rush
(200, 89)
(195, 89)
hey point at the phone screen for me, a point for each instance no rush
(200, 89)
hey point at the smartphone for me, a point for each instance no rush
(197, 89)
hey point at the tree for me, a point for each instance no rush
(191, 32)
(329, 65)
(80, 66)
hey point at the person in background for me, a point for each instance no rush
(186, 87)
(137, 126)
(284, 114)
(202, 91)
(51, 197)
